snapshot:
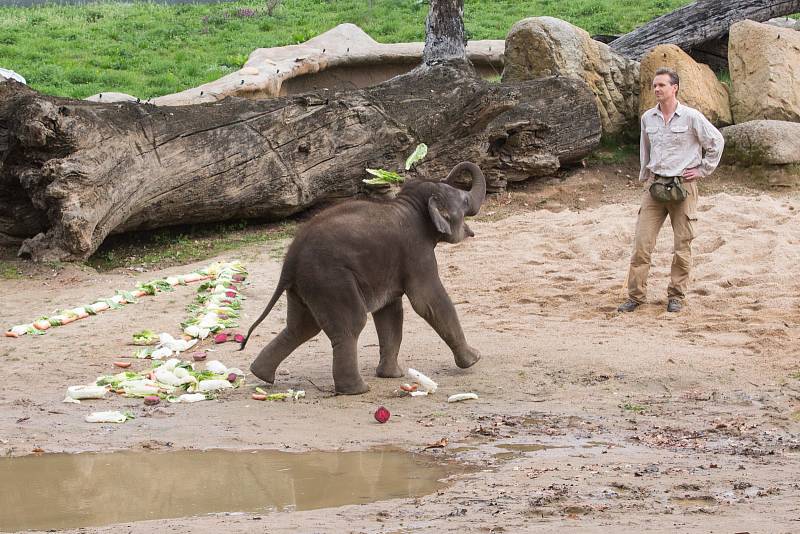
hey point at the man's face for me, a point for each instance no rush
(663, 89)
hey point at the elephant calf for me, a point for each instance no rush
(361, 257)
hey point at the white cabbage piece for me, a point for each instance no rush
(461, 397)
(106, 417)
(195, 331)
(216, 367)
(180, 372)
(213, 385)
(426, 383)
(20, 329)
(209, 320)
(163, 352)
(192, 397)
(170, 364)
(140, 388)
(86, 392)
(165, 376)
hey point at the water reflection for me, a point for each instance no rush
(74, 490)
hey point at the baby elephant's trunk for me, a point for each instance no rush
(478, 191)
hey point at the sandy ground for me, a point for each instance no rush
(666, 423)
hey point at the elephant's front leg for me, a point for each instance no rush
(430, 300)
(389, 325)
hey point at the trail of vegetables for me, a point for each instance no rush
(215, 308)
(222, 273)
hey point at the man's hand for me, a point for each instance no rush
(691, 174)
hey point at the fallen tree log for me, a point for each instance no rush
(74, 172)
(697, 23)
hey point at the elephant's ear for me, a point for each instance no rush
(439, 220)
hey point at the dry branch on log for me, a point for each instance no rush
(74, 172)
(697, 23)
(444, 31)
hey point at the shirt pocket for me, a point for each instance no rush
(679, 133)
(653, 134)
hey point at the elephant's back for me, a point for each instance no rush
(354, 236)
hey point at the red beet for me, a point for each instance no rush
(231, 294)
(152, 400)
(220, 338)
(198, 356)
(382, 415)
(232, 377)
(238, 338)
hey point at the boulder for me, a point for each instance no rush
(762, 142)
(343, 57)
(699, 87)
(784, 22)
(6, 74)
(545, 46)
(112, 97)
(765, 68)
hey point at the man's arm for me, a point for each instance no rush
(644, 152)
(712, 142)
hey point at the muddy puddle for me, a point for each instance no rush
(54, 491)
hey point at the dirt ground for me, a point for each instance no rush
(661, 422)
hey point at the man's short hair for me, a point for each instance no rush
(673, 76)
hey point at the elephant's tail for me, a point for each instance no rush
(275, 296)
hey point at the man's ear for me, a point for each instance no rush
(437, 214)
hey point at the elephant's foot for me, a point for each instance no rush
(264, 372)
(356, 387)
(389, 370)
(467, 357)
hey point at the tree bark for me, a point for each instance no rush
(695, 24)
(444, 31)
(80, 171)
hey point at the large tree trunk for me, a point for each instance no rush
(73, 172)
(698, 23)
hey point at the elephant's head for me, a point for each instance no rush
(447, 205)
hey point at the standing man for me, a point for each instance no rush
(678, 145)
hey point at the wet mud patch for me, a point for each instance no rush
(88, 489)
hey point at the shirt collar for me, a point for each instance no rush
(678, 110)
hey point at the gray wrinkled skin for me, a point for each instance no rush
(361, 257)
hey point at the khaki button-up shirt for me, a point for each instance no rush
(687, 141)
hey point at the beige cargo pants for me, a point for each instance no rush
(683, 216)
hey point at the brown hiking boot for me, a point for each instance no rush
(674, 305)
(628, 306)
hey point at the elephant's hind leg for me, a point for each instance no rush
(389, 325)
(300, 327)
(342, 317)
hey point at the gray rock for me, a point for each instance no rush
(762, 142)
(6, 74)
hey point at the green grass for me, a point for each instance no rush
(186, 244)
(9, 271)
(615, 149)
(633, 407)
(150, 49)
